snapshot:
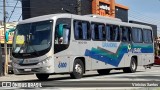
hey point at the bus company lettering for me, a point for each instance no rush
(113, 45)
(62, 65)
(136, 50)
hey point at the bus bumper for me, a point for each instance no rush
(17, 69)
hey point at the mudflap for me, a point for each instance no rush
(148, 66)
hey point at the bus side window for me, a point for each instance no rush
(113, 32)
(137, 35)
(102, 32)
(98, 31)
(147, 36)
(78, 29)
(108, 34)
(126, 34)
(81, 30)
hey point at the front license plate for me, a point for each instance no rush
(27, 69)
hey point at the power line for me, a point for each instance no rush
(13, 10)
(20, 17)
(145, 17)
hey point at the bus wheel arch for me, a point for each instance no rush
(78, 68)
(136, 59)
(133, 65)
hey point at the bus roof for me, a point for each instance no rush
(90, 17)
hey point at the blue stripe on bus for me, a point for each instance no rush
(113, 58)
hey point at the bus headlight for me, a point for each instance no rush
(14, 64)
(45, 61)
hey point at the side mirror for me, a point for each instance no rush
(7, 34)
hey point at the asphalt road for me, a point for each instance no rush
(146, 79)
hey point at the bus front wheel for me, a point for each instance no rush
(42, 77)
(78, 69)
(132, 68)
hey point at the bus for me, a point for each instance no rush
(73, 44)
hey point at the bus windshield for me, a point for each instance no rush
(32, 38)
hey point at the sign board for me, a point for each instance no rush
(2, 38)
(105, 7)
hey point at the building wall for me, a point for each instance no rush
(121, 14)
(37, 7)
(41, 7)
(26, 9)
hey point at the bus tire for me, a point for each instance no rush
(103, 71)
(78, 69)
(132, 68)
(42, 77)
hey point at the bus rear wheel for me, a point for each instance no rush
(78, 69)
(132, 68)
(103, 71)
(42, 77)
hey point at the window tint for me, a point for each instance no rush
(147, 36)
(82, 30)
(137, 35)
(98, 31)
(126, 33)
(113, 32)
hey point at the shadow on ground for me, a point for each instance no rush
(69, 78)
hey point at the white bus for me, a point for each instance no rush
(74, 44)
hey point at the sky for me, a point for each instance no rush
(140, 10)
(147, 11)
(9, 8)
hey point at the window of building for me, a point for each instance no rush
(126, 34)
(147, 36)
(98, 31)
(82, 30)
(137, 35)
(113, 32)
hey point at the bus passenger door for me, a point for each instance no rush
(126, 42)
(61, 45)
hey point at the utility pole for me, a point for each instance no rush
(5, 43)
(79, 7)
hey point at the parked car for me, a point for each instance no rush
(157, 60)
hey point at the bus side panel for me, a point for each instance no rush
(103, 65)
(88, 63)
(148, 59)
(61, 64)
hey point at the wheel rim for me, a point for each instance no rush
(133, 65)
(78, 68)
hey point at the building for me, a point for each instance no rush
(2, 38)
(33, 8)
